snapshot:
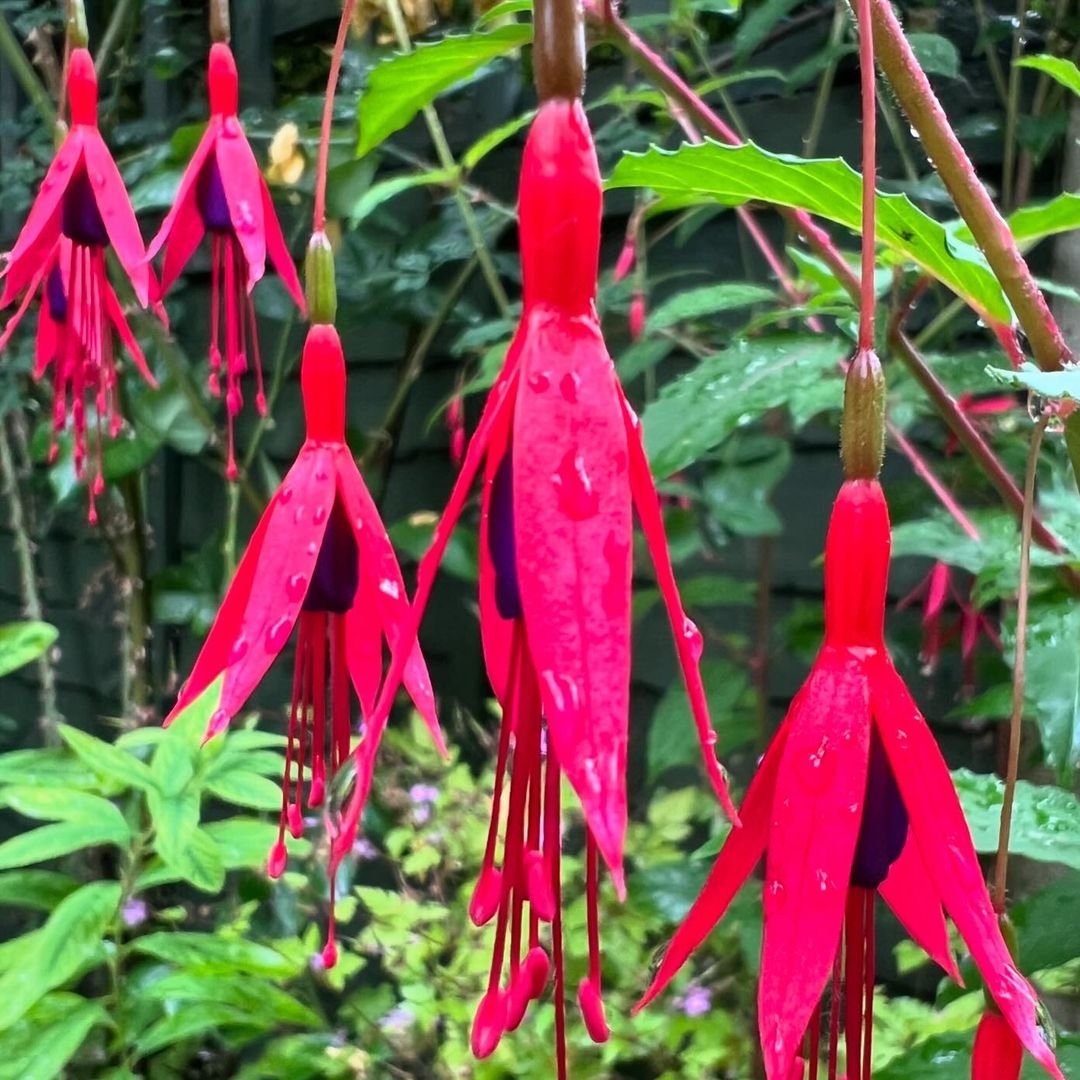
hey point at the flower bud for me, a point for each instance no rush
(862, 431)
(320, 284)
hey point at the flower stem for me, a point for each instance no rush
(31, 597)
(1001, 863)
(110, 39)
(867, 297)
(446, 160)
(991, 233)
(318, 223)
(220, 23)
(13, 54)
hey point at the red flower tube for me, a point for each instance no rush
(223, 193)
(81, 209)
(319, 561)
(851, 800)
(563, 470)
(998, 1054)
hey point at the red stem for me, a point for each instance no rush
(318, 222)
(868, 300)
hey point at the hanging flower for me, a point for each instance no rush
(319, 562)
(81, 209)
(223, 193)
(998, 1054)
(853, 799)
(563, 467)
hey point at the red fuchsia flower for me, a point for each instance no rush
(935, 591)
(851, 800)
(998, 1054)
(563, 469)
(223, 193)
(319, 561)
(81, 209)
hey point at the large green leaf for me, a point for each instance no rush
(707, 300)
(1064, 384)
(1047, 926)
(696, 413)
(40, 1044)
(52, 841)
(46, 804)
(39, 889)
(400, 87)
(23, 642)
(69, 940)
(196, 1018)
(1058, 68)
(45, 768)
(242, 787)
(210, 955)
(257, 997)
(182, 845)
(1045, 823)
(829, 188)
(106, 760)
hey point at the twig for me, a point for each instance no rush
(1001, 863)
(31, 597)
(111, 38)
(13, 53)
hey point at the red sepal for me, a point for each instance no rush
(997, 1054)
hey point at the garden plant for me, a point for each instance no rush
(477, 476)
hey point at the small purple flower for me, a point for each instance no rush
(363, 848)
(423, 798)
(695, 1001)
(134, 913)
(398, 1020)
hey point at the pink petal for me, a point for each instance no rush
(740, 854)
(259, 610)
(115, 207)
(243, 192)
(378, 562)
(116, 316)
(572, 528)
(688, 643)
(24, 304)
(42, 225)
(364, 644)
(182, 243)
(944, 840)
(910, 892)
(821, 785)
(278, 250)
(185, 201)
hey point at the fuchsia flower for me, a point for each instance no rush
(81, 209)
(853, 799)
(223, 193)
(563, 467)
(320, 561)
(998, 1053)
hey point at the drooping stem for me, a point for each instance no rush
(220, 23)
(318, 222)
(868, 299)
(991, 233)
(31, 597)
(1001, 863)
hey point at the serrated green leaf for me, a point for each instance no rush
(829, 188)
(70, 938)
(23, 642)
(697, 413)
(210, 954)
(400, 87)
(707, 300)
(1045, 823)
(1057, 385)
(106, 760)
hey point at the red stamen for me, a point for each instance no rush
(317, 786)
(854, 970)
(590, 1000)
(834, 1017)
(553, 852)
(340, 699)
(868, 987)
(814, 1050)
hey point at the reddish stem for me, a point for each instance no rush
(868, 300)
(318, 223)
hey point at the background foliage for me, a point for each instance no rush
(141, 934)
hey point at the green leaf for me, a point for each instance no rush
(1047, 926)
(1032, 223)
(196, 1018)
(937, 55)
(69, 940)
(669, 889)
(494, 138)
(698, 412)
(40, 889)
(182, 845)
(1052, 683)
(39, 1045)
(213, 955)
(400, 87)
(387, 189)
(52, 841)
(707, 300)
(829, 188)
(1058, 68)
(106, 760)
(76, 807)
(1063, 384)
(673, 738)
(246, 788)
(263, 1002)
(1045, 824)
(755, 28)
(23, 642)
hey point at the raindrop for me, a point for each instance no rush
(298, 514)
(818, 768)
(320, 514)
(577, 499)
(231, 127)
(391, 588)
(824, 881)
(693, 638)
(97, 179)
(285, 495)
(239, 650)
(296, 587)
(278, 634)
(568, 386)
(219, 721)
(539, 381)
(774, 896)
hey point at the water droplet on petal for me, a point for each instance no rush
(773, 896)
(278, 634)
(818, 768)
(391, 588)
(568, 386)
(320, 515)
(296, 587)
(239, 650)
(539, 381)
(577, 499)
